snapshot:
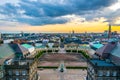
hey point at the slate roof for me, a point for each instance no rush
(19, 49)
(116, 50)
(101, 63)
(74, 40)
(106, 49)
(7, 50)
(115, 54)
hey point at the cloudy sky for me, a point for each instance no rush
(59, 15)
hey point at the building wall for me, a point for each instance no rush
(24, 72)
(1, 72)
(105, 73)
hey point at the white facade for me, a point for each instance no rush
(8, 41)
(31, 49)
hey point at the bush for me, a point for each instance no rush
(49, 50)
(68, 50)
(47, 67)
(76, 67)
(74, 50)
(56, 50)
(44, 51)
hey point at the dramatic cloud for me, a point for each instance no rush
(42, 12)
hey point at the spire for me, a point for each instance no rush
(109, 31)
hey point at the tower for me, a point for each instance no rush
(73, 32)
(109, 31)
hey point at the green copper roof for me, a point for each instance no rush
(26, 46)
(40, 47)
(97, 45)
(6, 51)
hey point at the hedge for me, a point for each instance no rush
(84, 54)
(74, 50)
(49, 51)
(68, 50)
(76, 67)
(39, 54)
(55, 67)
(56, 50)
(47, 67)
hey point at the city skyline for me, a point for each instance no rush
(64, 16)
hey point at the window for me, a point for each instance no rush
(17, 78)
(1, 74)
(108, 73)
(17, 72)
(114, 73)
(100, 79)
(24, 72)
(10, 79)
(100, 73)
(10, 72)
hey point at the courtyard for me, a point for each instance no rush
(70, 60)
(69, 74)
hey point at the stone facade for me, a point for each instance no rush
(21, 70)
(98, 72)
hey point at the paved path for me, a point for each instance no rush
(70, 74)
(62, 50)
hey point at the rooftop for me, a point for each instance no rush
(102, 63)
(26, 46)
(96, 45)
(6, 51)
(106, 49)
(116, 51)
(19, 62)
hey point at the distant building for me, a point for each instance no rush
(73, 39)
(105, 34)
(73, 32)
(8, 41)
(95, 45)
(30, 48)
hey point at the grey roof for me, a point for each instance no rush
(2, 61)
(116, 51)
(101, 63)
(6, 51)
(106, 49)
(19, 49)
